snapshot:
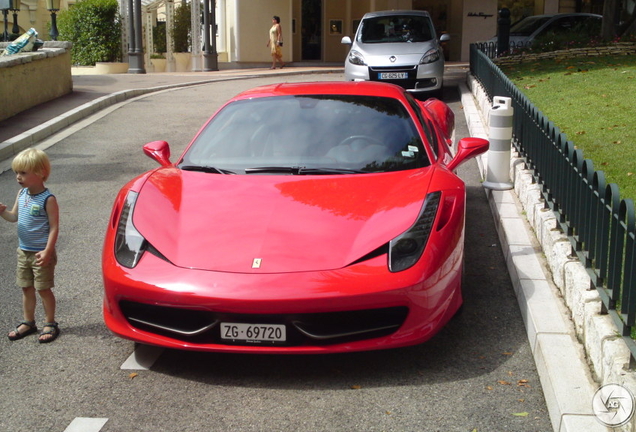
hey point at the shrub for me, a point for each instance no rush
(94, 28)
(159, 37)
(181, 26)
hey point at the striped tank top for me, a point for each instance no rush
(33, 222)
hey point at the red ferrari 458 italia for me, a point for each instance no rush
(302, 218)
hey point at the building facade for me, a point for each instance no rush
(312, 29)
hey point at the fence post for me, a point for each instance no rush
(498, 173)
(503, 32)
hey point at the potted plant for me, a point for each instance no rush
(158, 61)
(181, 36)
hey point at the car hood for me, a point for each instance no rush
(405, 52)
(272, 223)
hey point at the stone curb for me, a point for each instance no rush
(12, 146)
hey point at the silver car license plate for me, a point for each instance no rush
(253, 332)
(393, 75)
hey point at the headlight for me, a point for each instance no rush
(356, 58)
(406, 249)
(431, 56)
(129, 243)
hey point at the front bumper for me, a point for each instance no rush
(413, 78)
(363, 307)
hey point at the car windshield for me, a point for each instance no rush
(528, 25)
(396, 28)
(315, 134)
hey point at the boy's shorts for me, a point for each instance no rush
(30, 274)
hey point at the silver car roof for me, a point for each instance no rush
(395, 12)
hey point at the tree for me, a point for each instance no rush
(617, 21)
(94, 28)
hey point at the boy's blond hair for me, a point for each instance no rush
(32, 160)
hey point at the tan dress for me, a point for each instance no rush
(273, 41)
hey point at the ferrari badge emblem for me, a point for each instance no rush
(256, 263)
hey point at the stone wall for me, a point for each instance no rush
(31, 78)
(616, 49)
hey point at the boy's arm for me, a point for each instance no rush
(53, 213)
(10, 215)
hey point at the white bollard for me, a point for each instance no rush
(498, 173)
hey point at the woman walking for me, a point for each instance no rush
(275, 42)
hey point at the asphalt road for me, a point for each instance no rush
(476, 375)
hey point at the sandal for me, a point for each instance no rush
(54, 331)
(32, 329)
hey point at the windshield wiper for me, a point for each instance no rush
(206, 169)
(297, 170)
(317, 171)
(294, 170)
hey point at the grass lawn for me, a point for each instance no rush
(593, 101)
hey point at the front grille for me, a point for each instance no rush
(203, 326)
(410, 69)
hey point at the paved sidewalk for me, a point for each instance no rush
(564, 375)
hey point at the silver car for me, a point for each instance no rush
(398, 47)
(525, 31)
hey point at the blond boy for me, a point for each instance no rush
(37, 214)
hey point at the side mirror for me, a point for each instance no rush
(467, 148)
(441, 114)
(445, 37)
(159, 151)
(346, 40)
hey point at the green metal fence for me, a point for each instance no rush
(600, 225)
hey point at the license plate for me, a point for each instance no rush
(393, 75)
(253, 332)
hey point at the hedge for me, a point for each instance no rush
(94, 28)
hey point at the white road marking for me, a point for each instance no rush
(142, 358)
(86, 424)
